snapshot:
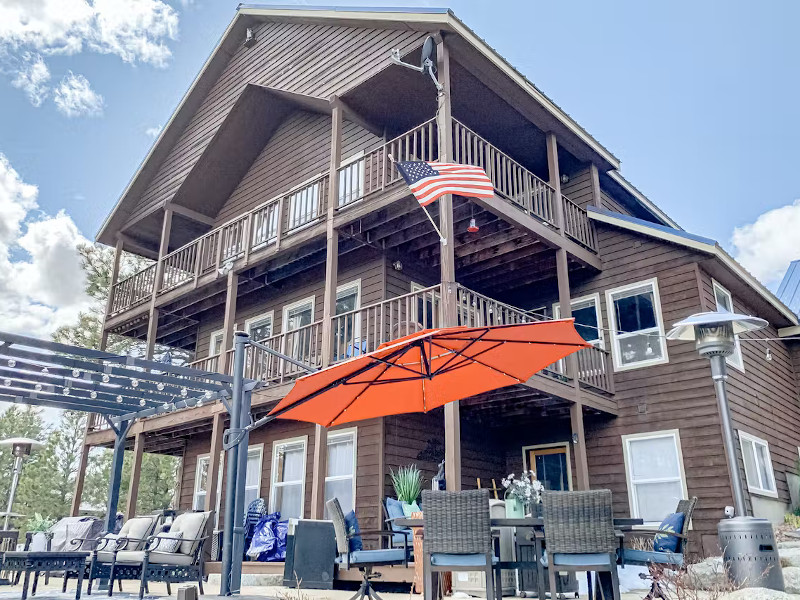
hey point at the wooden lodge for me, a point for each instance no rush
(270, 204)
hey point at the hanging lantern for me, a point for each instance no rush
(473, 226)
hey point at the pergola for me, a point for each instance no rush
(124, 388)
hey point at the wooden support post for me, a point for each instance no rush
(152, 331)
(163, 250)
(579, 446)
(554, 175)
(597, 198)
(229, 320)
(114, 280)
(444, 124)
(212, 479)
(136, 472)
(80, 477)
(320, 466)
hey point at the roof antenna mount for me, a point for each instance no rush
(427, 62)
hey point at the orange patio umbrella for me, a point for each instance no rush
(425, 370)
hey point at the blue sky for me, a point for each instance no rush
(697, 99)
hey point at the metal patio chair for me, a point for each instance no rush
(458, 536)
(579, 535)
(363, 560)
(652, 558)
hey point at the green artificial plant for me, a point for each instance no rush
(407, 483)
(40, 524)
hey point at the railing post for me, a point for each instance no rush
(554, 175)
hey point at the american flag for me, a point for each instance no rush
(429, 180)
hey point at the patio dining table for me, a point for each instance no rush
(535, 525)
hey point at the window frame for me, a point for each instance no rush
(270, 314)
(212, 347)
(757, 490)
(274, 485)
(526, 450)
(633, 504)
(600, 342)
(287, 307)
(615, 338)
(735, 360)
(260, 449)
(349, 431)
(207, 458)
(355, 283)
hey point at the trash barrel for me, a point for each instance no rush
(310, 555)
(750, 552)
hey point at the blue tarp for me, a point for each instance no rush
(269, 539)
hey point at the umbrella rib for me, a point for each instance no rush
(483, 364)
(544, 343)
(367, 385)
(456, 353)
(448, 367)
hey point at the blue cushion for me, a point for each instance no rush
(669, 543)
(459, 560)
(580, 560)
(394, 508)
(386, 556)
(644, 557)
(351, 522)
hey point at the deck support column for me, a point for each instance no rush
(115, 480)
(579, 446)
(163, 250)
(554, 176)
(110, 299)
(80, 476)
(136, 472)
(444, 125)
(214, 452)
(594, 174)
(231, 290)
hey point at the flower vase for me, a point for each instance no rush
(515, 509)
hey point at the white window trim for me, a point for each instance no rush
(735, 360)
(200, 459)
(743, 435)
(527, 449)
(273, 472)
(345, 287)
(260, 448)
(659, 338)
(212, 349)
(342, 433)
(633, 505)
(262, 317)
(595, 299)
(293, 305)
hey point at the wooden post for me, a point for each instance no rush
(163, 250)
(80, 477)
(229, 319)
(579, 445)
(320, 466)
(214, 462)
(136, 471)
(597, 198)
(444, 124)
(555, 179)
(110, 299)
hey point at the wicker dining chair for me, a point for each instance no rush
(458, 535)
(579, 535)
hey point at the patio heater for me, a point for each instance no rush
(749, 549)
(20, 448)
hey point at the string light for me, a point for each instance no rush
(76, 372)
(12, 363)
(142, 402)
(160, 386)
(38, 387)
(119, 399)
(66, 391)
(6, 382)
(166, 406)
(769, 354)
(208, 394)
(93, 395)
(134, 382)
(45, 371)
(199, 403)
(105, 378)
(184, 392)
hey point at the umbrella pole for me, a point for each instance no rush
(241, 509)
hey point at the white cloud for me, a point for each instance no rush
(75, 97)
(153, 131)
(137, 31)
(767, 246)
(41, 280)
(33, 79)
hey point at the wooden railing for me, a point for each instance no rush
(577, 224)
(477, 310)
(594, 369)
(510, 179)
(133, 290)
(303, 344)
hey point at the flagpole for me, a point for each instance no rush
(442, 239)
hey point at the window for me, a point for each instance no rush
(347, 333)
(340, 481)
(654, 471)
(725, 304)
(351, 180)
(637, 330)
(588, 321)
(295, 317)
(252, 483)
(287, 492)
(757, 465)
(260, 328)
(201, 483)
(215, 345)
(551, 465)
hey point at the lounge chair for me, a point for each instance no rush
(175, 556)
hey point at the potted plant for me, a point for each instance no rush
(407, 482)
(39, 526)
(522, 493)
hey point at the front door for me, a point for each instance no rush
(551, 465)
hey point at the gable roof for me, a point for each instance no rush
(789, 289)
(693, 242)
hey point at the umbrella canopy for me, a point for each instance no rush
(425, 370)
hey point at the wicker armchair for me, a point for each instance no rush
(651, 558)
(458, 535)
(579, 534)
(363, 560)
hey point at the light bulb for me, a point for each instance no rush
(76, 372)
(160, 386)
(38, 387)
(208, 394)
(184, 392)
(649, 351)
(6, 382)
(199, 403)
(166, 405)
(142, 402)
(119, 399)
(92, 394)
(769, 354)
(12, 363)
(45, 371)
(134, 382)
(105, 377)
(66, 391)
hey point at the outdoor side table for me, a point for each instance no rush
(38, 562)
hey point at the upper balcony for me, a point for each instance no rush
(365, 184)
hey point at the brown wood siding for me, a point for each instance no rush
(298, 151)
(298, 57)
(609, 203)
(579, 188)
(764, 399)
